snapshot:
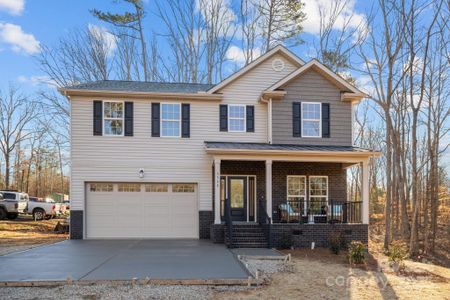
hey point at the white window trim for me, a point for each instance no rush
(104, 119)
(304, 195)
(314, 120)
(309, 189)
(169, 120)
(245, 117)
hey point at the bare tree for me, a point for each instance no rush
(16, 113)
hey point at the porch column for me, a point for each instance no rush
(269, 188)
(365, 191)
(216, 191)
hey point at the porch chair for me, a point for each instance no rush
(287, 213)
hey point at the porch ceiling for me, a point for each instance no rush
(284, 152)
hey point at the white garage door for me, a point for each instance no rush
(134, 210)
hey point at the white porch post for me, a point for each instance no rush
(365, 191)
(216, 191)
(269, 188)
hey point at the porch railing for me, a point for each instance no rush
(266, 222)
(320, 211)
(229, 222)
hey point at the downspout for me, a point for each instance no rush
(269, 120)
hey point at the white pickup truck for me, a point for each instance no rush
(43, 208)
(12, 204)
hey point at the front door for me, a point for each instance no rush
(237, 192)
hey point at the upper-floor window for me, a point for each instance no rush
(171, 119)
(311, 119)
(113, 113)
(236, 118)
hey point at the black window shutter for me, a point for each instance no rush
(325, 120)
(296, 119)
(185, 120)
(155, 120)
(128, 118)
(250, 112)
(223, 117)
(98, 117)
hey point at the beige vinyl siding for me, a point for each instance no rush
(312, 87)
(118, 159)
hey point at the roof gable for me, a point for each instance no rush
(349, 90)
(277, 50)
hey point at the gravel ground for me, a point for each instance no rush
(128, 291)
(266, 267)
(106, 291)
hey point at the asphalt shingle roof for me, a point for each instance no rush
(141, 86)
(283, 147)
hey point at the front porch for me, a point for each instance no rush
(299, 197)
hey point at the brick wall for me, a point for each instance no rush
(337, 180)
(217, 233)
(76, 224)
(302, 235)
(206, 219)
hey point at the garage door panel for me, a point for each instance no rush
(144, 214)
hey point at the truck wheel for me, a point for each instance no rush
(13, 216)
(3, 213)
(38, 214)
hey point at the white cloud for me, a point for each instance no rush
(18, 40)
(347, 15)
(236, 54)
(37, 80)
(13, 7)
(109, 39)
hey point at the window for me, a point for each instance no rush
(170, 119)
(10, 196)
(129, 187)
(101, 187)
(113, 113)
(156, 188)
(318, 195)
(236, 118)
(183, 188)
(296, 193)
(311, 119)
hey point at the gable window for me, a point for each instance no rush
(318, 195)
(171, 119)
(311, 119)
(296, 193)
(236, 118)
(113, 112)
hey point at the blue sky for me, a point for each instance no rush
(26, 24)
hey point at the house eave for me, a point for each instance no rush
(131, 94)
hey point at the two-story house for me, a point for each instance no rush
(257, 158)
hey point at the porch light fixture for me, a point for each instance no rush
(141, 173)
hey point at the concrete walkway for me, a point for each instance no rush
(122, 260)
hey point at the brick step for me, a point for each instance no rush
(249, 234)
(258, 229)
(250, 245)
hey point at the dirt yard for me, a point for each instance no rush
(24, 233)
(318, 274)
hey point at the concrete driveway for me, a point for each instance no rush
(122, 260)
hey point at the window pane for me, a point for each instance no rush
(311, 111)
(156, 188)
(183, 188)
(296, 186)
(318, 186)
(113, 109)
(237, 125)
(170, 128)
(237, 111)
(311, 128)
(101, 187)
(129, 187)
(170, 111)
(113, 127)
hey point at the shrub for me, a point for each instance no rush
(286, 240)
(396, 252)
(357, 252)
(337, 243)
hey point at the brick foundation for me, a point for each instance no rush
(76, 224)
(206, 219)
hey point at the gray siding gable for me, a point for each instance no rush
(312, 87)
